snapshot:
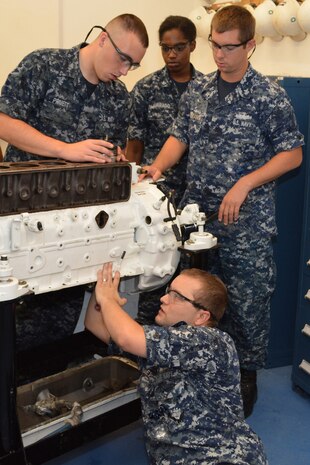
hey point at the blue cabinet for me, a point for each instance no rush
(291, 203)
(301, 359)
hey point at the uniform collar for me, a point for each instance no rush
(179, 324)
(167, 78)
(243, 89)
(73, 70)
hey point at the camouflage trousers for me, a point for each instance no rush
(245, 263)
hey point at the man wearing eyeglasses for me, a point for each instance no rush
(70, 103)
(155, 100)
(242, 134)
(190, 379)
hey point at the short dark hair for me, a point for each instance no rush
(132, 23)
(233, 17)
(212, 293)
(185, 25)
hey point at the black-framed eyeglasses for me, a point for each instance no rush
(177, 48)
(176, 295)
(126, 59)
(227, 48)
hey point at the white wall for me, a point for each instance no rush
(284, 58)
(25, 26)
(31, 24)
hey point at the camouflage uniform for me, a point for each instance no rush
(228, 140)
(155, 100)
(191, 403)
(48, 91)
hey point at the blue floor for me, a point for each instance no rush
(281, 418)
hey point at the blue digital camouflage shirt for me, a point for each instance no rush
(230, 139)
(191, 402)
(48, 91)
(155, 100)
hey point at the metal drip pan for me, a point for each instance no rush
(98, 387)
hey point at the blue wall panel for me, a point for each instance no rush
(287, 245)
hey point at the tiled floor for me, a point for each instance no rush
(281, 418)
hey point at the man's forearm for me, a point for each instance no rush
(94, 321)
(276, 167)
(25, 137)
(124, 331)
(170, 154)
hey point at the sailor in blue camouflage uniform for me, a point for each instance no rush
(242, 134)
(60, 103)
(155, 100)
(70, 104)
(190, 380)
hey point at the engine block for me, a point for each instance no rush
(59, 222)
